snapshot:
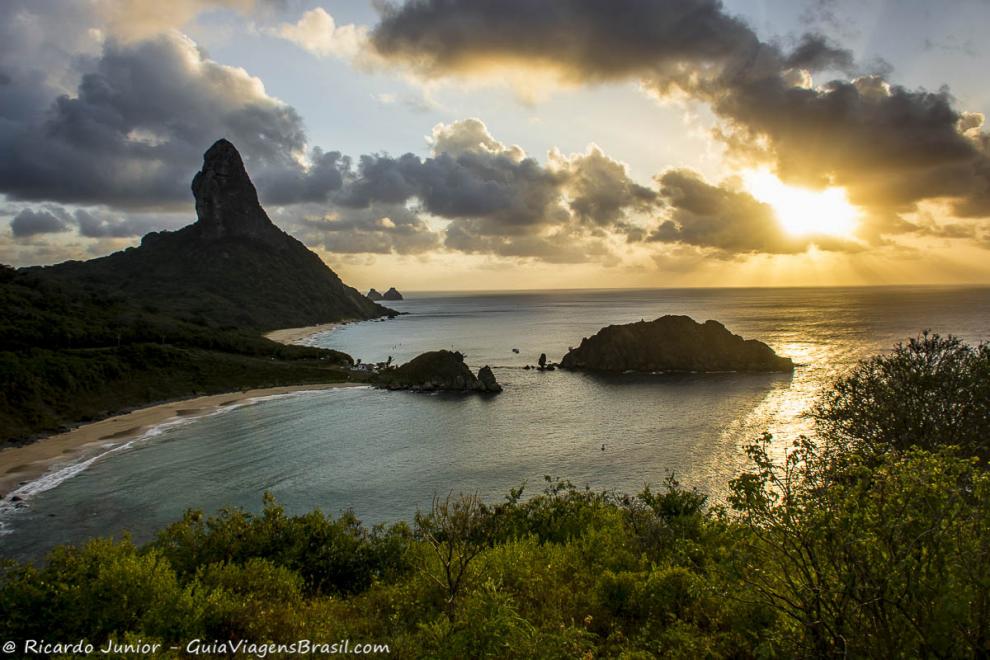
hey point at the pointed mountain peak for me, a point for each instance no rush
(226, 200)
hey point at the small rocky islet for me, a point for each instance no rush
(392, 294)
(672, 344)
(669, 344)
(437, 371)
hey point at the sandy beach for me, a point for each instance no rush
(26, 463)
(294, 335)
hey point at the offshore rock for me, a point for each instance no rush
(374, 295)
(392, 294)
(487, 379)
(437, 371)
(673, 344)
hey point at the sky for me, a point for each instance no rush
(515, 144)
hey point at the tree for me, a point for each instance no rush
(929, 393)
(887, 559)
(457, 530)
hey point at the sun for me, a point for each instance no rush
(800, 211)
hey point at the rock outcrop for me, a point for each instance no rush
(226, 201)
(392, 294)
(374, 295)
(673, 344)
(231, 268)
(487, 380)
(437, 371)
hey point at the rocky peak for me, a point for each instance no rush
(226, 200)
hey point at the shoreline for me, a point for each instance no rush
(27, 463)
(292, 336)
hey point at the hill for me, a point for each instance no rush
(176, 317)
(231, 268)
(69, 355)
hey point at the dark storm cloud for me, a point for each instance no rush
(469, 185)
(103, 224)
(379, 229)
(91, 223)
(471, 175)
(889, 146)
(31, 222)
(294, 185)
(499, 200)
(585, 38)
(730, 221)
(601, 191)
(816, 53)
(134, 131)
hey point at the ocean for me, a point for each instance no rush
(386, 454)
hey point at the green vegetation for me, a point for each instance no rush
(928, 393)
(846, 546)
(74, 353)
(228, 282)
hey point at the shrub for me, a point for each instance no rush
(928, 393)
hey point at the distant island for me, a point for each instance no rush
(391, 294)
(672, 344)
(437, 371)
(179, 316)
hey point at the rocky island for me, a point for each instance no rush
(437, 371)
(391, 294)
(672, 344)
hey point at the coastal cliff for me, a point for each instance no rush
(672, 343)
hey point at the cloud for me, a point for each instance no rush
(144, 105)
(317, 33)
(44, 221)
(600, 190)
(145, 113)
(102, 224)
(816, 53)
(582, 39)
(728, 220)
(500, 201)
(379, 229)
(140, 19)
(89, 223)
(891, 147)
(146, 109)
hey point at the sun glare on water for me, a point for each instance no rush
(801, 211)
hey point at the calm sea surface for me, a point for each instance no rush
(383, 454)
